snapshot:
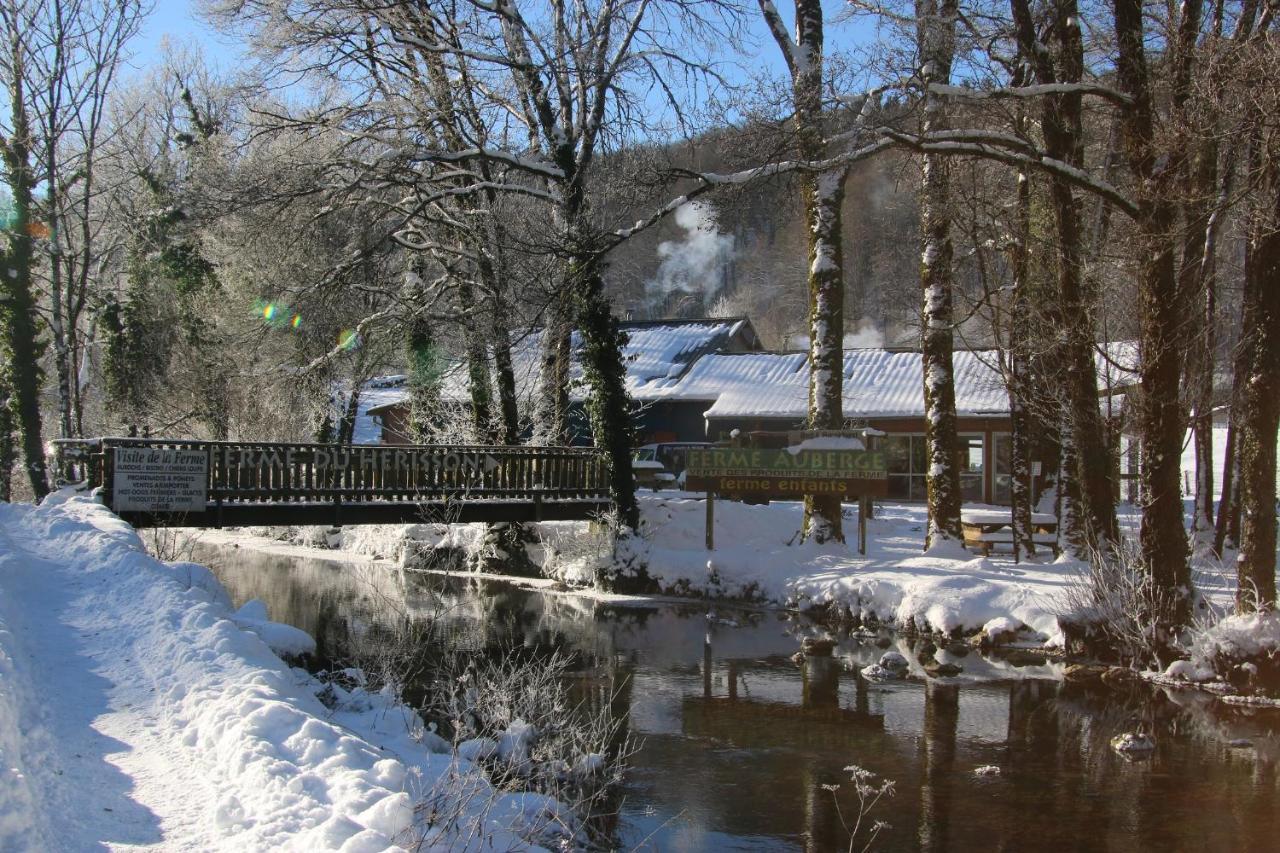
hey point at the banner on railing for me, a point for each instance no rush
(159, 479)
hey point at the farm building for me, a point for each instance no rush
(698, 380)
(657, 352)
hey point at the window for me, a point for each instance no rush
(972, 467)
(907, 463)
(1002, 469)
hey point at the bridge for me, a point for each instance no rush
(180, 482)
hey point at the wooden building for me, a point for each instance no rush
(698, 380)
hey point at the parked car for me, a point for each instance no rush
(663, 464)
(649, 471)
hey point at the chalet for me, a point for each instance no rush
(698, 380)
(657, 353)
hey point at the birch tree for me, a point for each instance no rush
(935, 45)
(823, 193)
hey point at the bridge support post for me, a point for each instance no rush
(711, 521)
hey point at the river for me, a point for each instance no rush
(737, 740)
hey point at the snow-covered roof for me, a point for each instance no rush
(877, 383)
(380, 391)
(657, 354)
(685, 361)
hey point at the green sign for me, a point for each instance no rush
(772, 472)
(715, 462)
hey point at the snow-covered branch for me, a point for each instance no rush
(779, 31)
(535, 165)
(1033, 91)
(1015, 151)
(708, 181)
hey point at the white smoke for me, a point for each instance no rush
(696, 263)
(867, 336)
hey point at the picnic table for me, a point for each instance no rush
(987, 526)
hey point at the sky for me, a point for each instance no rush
(177, 20)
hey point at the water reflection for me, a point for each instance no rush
(738, 740)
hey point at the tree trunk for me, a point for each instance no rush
(1260, 416)
(936, 36)
(823, 196)
(508, 407)
(608, 405)
(347, 426)
(15, 283)
(1161, 425)
(1018, 383)
(1225, 531)
(1086, 478)
(1197, 274)
(551, 411)
(478, 378)
(61, 349)
(7, 449)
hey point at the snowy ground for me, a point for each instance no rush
(945, 590)
(138, 711)
(757, 557)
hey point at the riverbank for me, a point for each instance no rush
(137, 710)
(758, 559)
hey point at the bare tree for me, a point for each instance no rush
(823, 194)
(935, 44)
(75, 50)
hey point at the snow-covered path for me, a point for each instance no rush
(99, 774)
(137, 710)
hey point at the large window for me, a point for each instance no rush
(907, 463)
(904, 456)
(973, 468)
(1002, 469)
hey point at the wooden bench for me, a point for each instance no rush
(984, 528)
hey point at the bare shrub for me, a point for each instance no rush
(170, 544)
(516, 715)
(577, 552)
(1113, 608)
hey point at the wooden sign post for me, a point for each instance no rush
(825, 465)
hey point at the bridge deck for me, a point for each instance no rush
(153, 482)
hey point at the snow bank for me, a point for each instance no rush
(757, 556)
(280, 638)
(212, 707)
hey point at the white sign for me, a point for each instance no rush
(153, 479)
